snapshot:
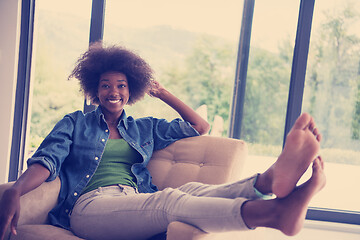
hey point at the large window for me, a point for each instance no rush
(332, 90)
(61, 35)
(268, 78)
(332, 96)
(192, 45)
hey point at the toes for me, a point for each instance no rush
(303, 122)
(318, 163)
(315, 131)
(312, 126)
(318, 137)
(321, 162)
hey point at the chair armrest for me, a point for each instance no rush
(182, 231)
(36, 205)
(3, 188)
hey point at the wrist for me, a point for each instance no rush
(13, 190)
(11, 194)
(163, 94)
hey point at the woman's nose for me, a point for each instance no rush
(114, 91)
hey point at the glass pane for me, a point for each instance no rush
(192, 46)
(61, 35)
(332, 96)
(267, 86)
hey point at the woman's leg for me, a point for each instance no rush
(301, 148)
(243, 188)
(111, 213)
(286, 214)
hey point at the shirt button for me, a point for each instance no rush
(87, 176)
(75, 194)
(103, 140)
(96, 158)
(107, 130)
(67, 210)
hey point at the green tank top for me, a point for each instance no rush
(115, 166)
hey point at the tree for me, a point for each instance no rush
(265, 98)
(355, 126)
(332, 76)
(53, 95)
(206, 77)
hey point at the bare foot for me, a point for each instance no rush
(294, 207)
(301, 148)
(286, 214)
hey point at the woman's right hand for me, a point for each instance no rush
(9, 211)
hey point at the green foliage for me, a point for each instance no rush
(205, 76)
(53, 95)
(200, 70)
(265, 98)
(332, 79)
(209, 76)
(355, 126)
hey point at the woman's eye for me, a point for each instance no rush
(105, 86)
(122, 86)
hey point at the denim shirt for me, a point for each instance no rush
(73, 151)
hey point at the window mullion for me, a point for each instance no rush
(96, 34)
(298, 71)
(241, 71)
(22, 89)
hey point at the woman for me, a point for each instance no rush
(101, 157)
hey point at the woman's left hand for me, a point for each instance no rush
(186, 112)
(156, 89)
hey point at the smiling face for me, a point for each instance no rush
(113, 93)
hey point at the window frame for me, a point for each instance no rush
(22, 89)
(295, 97)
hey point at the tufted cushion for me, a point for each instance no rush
(206, 159)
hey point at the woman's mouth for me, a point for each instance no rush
(114, 100)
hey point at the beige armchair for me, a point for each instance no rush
(206, 159)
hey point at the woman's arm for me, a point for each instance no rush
(186, 112)
(33, 177)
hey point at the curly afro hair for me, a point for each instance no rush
(99, 59)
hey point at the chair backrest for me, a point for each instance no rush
(206, 159)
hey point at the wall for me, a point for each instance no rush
(9, 42)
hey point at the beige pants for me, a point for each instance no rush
(120, 212)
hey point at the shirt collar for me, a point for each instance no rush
(100, 117)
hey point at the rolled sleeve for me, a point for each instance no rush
(55, 147)
(187, 129)
(45, 163)
(166, 132)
